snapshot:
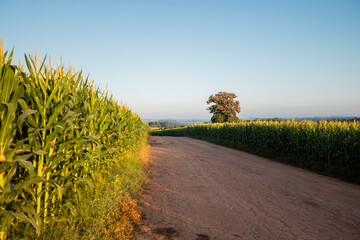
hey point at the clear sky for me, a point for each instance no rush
(164, 58)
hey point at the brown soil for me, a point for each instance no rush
(199, 190)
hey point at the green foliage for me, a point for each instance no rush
(225, 107)
(155, 124)
(57, 131)
(335, 144)
(218, 118)
(116, 183)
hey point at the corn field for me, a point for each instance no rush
(331, 142)
(56, 130)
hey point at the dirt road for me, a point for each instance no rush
(200, 190)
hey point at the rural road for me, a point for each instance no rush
(199, 190)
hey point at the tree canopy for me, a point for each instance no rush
(224, 108)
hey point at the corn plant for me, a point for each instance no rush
(57, 131)
(17, 175)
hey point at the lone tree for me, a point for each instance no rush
(225, 107)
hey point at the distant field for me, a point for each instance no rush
(328, 147)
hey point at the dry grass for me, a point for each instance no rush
(143, 154)
(124, 216)
(122, 220)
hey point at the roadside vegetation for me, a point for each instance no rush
(327, 147)
(69, 155)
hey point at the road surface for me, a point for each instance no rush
(199, 190)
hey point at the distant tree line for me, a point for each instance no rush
(163, 124)
(354, 119)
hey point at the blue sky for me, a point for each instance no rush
(164, 58)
